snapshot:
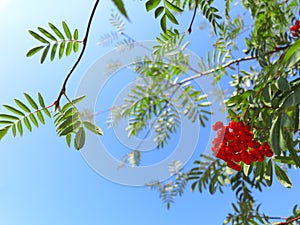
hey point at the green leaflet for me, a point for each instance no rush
(79, 140)
(120, 5)
(34, 50)
(31, 101)
(282, 177)
(56, 31)
(152, 4)
(38, 37)
(3, 131)
(173, 7)
(67, 30)
(47, 34)
(57, 42)
(14, 110)
(275, 136)
(92, 127)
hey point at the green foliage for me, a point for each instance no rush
(69, 124)
(266, 95)
(60, 43)
(210, 12)
(25, 114)
(169, 190)
(165, 9)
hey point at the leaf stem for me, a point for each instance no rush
(63, 89)
(193, 18)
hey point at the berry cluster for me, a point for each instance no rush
(295, 29)
(235, 144)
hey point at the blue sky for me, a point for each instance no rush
(44, 182)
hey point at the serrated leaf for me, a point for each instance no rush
(69, 48)
(75, 46)
(120, 5)
(3, 131)
(275, 136)
(171, 17)
(163, 23)
(33, 120)
(38, 37)
(45, 53)
(56, 31)
(69, 139)
(34, 50)
(8, 117)
(14, 130)
(61, 50)
(41, 100)
(20, 127)
(27, 124)
(40, 116)
(151, 4)
(47, 34)
(76, 34)
(67, 30)
(173, 7)
(282, 177)
(6, 122)
(53, 51)
(31, 101)
(79, 140)
(46, 111)
(22, 105)
(14, 110)
(92, 127)
(158, 11)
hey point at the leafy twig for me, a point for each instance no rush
(63, 89)
(226, 65)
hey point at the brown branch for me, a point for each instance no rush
(63, 89)
(226, 65)
(193, 18)
(288, 221)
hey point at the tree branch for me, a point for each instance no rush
(63, 89)
(289, 221)
(193, 18)
(226, 65)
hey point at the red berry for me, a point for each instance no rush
(293, 28)
(269, 153)
(234, 165)
(218, 125)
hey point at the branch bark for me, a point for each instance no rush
(84, 42)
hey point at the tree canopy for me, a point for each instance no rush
(259, 139)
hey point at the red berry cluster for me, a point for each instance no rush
(235, 144)
(295, 29)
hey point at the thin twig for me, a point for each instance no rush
(193, 18)
(288, 221)
(63, 89)
(226, 65)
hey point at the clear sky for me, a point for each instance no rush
(42, 182)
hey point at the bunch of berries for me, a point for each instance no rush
(235, 144)
(295, 29)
